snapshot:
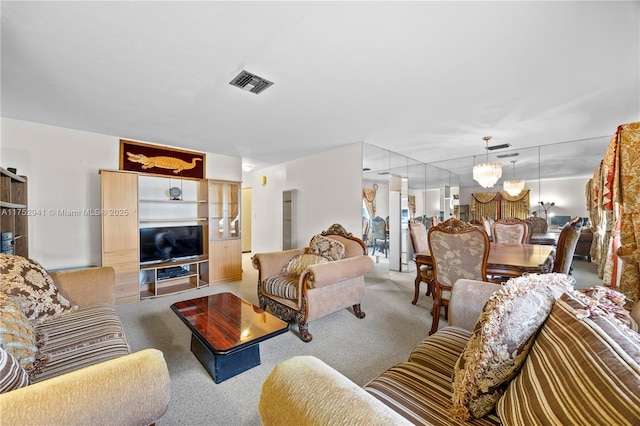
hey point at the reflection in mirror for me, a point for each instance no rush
(554, 173)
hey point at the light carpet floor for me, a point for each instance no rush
(360, 349)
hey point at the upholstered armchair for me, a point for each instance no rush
(510, 230)
(459, 250)
(424, 271)
(309, 283)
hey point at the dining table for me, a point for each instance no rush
(548, 238)
(509, 259)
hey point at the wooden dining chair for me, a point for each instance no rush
(424, 273)
(567, 242)
(540, 225)
(458, 250)
(380, 239)
(510, 230)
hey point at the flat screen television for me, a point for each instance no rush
(170, 243)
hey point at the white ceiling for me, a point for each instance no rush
(424, 79)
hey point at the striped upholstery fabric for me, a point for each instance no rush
(285, 286)
(420, 389)
(592, 361)
(88, 336)
(441, 351)
(420, 395)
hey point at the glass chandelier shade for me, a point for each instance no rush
(514, 186)
(487, 174)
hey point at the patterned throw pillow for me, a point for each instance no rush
(33, 290)
(17, 336)
(592, 362)
(501, 341)
(12, 375)
(298, 264)
(606, 301)
(327, 247)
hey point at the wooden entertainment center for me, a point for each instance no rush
(131, 201)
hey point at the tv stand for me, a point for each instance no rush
(158, 279)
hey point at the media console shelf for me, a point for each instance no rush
(14, 213)
(158, 279)
(149, 201)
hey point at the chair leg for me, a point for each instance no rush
(436, 317)
(358, 312)
(416, 292)
(305, 336)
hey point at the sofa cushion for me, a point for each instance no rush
(607, 301)
(32, 288)
(17, 335)
(441, 351)
(12, 375)
(327, 247)
(90, 335)
(298, 264)
(285, 286)
(421, 395)
(501, 341)
(594, 361)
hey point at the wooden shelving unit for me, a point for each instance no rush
(213, 204)
(14, 212)
(167, 278)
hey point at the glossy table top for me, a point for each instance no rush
(512, 259)
(227, 323)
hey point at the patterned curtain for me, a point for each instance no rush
(412, 205)
(369, 197)
(626, 192)
(614, 209)
(496, 205)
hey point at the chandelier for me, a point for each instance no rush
(514, 186)
(487, 174)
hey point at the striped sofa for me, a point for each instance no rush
(89, 376)
(581, 368)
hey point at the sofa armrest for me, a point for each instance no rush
(305, 390)
(86, 286)
(324, 274)
(131, 390)
(468, 298)
(270, 264)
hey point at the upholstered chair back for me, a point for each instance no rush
(510, 230)
(352, 247)
(539, 225)
(567, 242)
(459, 251)
(379, 228)
(418, 235)
(487, 222)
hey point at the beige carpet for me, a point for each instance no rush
(359, 348)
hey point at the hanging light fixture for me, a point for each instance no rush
(514, 186)
(487, 174)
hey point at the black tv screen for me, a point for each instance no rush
(167, 243)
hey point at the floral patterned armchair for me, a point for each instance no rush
(308, 283)
(459, 250)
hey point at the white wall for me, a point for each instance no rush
(568, 194)
(329, 190)
(62, 170)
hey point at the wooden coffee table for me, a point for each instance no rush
(225, 332)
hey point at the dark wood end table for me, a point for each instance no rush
(226, 331)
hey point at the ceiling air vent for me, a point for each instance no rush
(504, 145)
(515, 154)
(250, 82)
